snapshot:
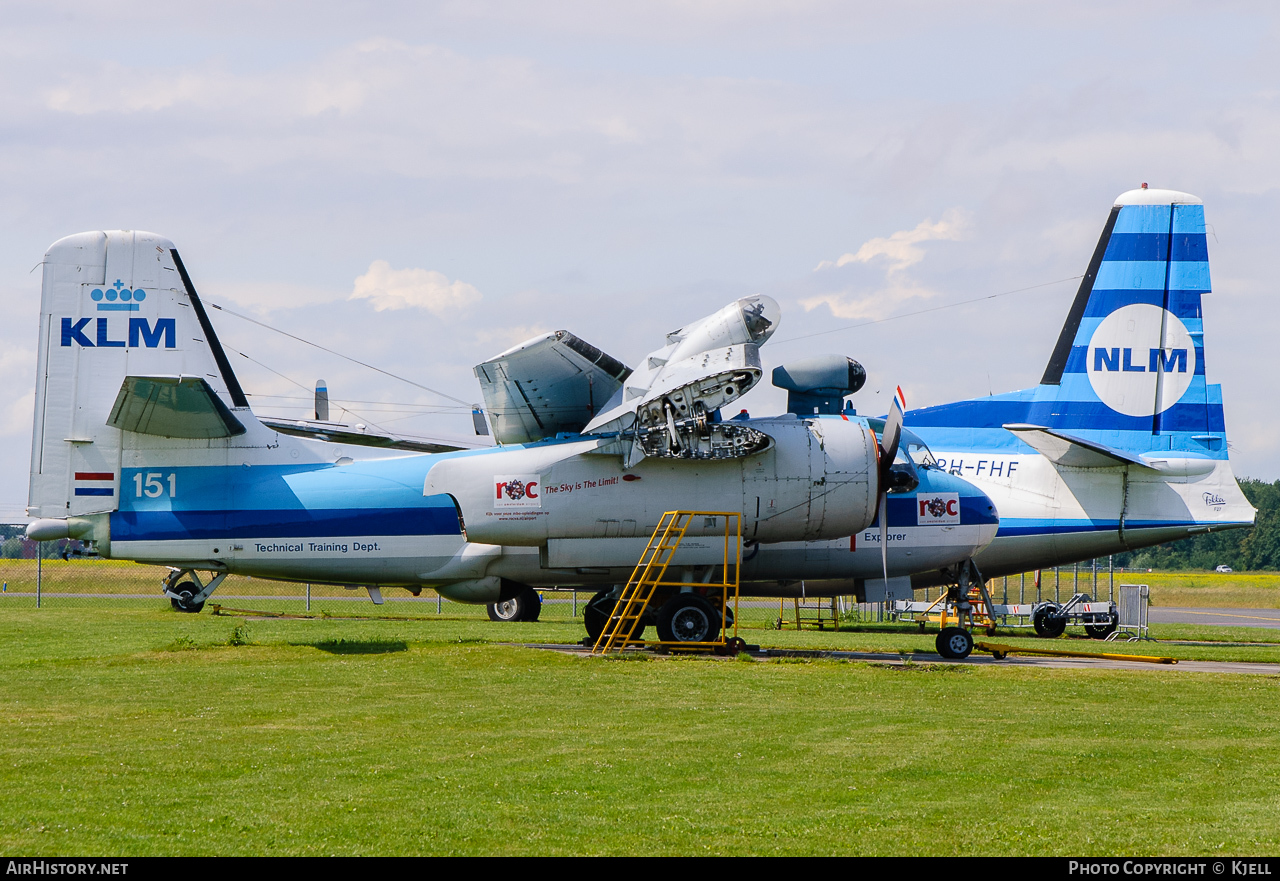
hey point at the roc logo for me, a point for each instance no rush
(941, 509)
(515, 492)
(1141, 360)
(118, 298)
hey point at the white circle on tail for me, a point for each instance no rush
(1128, 367)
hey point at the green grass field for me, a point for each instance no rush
(135, 731)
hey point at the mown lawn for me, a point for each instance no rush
(138, 732)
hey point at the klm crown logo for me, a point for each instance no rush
(119, 298)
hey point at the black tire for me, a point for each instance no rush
(183, 602)
(687, 617)
(1102, 631)
(954, 643)
(524, 606)
(1048, 621)
(596, 614)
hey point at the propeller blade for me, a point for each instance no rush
(888, 443)
(322, 401)
(884, 537)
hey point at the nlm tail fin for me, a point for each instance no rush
(1128, 371)
(1130, 359)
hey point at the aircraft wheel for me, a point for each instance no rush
(954, 643)
(186, 590)
(596, 614)
(524, 606)
(687, 617)
(1102, 631)
(1049, 621)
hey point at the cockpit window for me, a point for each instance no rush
(920, 453)
(910, 446)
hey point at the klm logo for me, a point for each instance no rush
(141, 333)
(118, 298)
(1158, 360)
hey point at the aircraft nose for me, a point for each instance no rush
(978, 519)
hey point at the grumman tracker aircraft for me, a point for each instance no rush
(145, 446)
(1123, 443)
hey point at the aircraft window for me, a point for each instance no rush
(760, 314)
(903, 476)
(920, 454)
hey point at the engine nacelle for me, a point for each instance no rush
(817, 481)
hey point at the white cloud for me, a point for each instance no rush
(15, 417)
(902, 249)
(874, 305)
(506, 337)
(265, 296)
(413, 288)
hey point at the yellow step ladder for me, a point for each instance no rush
(647, 577)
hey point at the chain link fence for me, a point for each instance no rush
(64, 574)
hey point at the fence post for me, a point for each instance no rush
(437, 601)
(308, 596)
(39, 570)
(1111, 564)
(575, 602)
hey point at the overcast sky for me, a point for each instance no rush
(422, 185)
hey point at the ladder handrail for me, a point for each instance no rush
(644, 581)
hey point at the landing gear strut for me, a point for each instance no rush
(956, 643)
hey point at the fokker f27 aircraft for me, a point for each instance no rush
(1123, 443)
(145, 445)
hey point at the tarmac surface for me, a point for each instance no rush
(1215, 617)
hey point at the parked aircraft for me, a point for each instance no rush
(1123, 443)
(145, 445)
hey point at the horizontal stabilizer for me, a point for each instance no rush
(547, 385)
(334, 433)
(172, 406)
(1073, 452)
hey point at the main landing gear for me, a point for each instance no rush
(524, 606)
(185, 591)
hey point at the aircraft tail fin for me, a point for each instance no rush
(1128, 372)
(1130, 360)
(125, 345)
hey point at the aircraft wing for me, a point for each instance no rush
(335, 433)
(550, 384)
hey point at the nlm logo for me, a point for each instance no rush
(118, 291)
(141, 333)
(1158, 360)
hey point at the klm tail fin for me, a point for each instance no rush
(1128, 371)
(114, 306)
